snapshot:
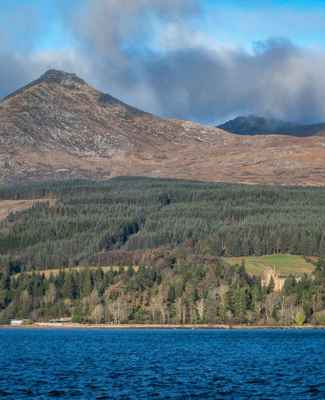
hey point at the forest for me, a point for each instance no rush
(178, 289)
(167, 237)
(91, 221)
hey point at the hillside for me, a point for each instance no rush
(254, 125)
(133, 221)
(58, 127)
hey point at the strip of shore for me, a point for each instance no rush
(47, 325)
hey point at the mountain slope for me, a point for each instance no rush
(59, 127)
(254, 125)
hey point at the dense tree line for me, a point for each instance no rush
(180, 289)
(92, 220)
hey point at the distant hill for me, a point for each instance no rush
(254, 125)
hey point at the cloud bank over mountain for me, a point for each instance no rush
(157, 55)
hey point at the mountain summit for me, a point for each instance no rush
(59, 127)
(53, 75)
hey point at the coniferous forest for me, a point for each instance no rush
(154, 251)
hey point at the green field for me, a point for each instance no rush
(284, 264)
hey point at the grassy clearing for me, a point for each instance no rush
(285, 264)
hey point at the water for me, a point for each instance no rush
(168, 364)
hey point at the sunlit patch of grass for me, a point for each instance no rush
(284, 264)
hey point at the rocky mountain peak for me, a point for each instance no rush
(52, 76)
(57, 76)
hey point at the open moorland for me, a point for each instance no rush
(59, 127)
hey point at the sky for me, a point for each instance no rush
(202, 60)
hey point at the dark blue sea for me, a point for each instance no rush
(162, 364)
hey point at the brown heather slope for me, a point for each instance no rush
(58, 127)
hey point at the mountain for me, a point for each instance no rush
(254, 125)
(59, 127)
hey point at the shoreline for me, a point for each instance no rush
(47, 325)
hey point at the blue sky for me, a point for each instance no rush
(230, 22)
(206, 60)
(38, 23)
(243, 22)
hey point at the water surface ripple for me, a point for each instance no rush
(162, 364)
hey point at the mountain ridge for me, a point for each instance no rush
(58, 127)
(256, 125)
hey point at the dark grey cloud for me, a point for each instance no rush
(149, 53)
(191, 79)
(117, 40)
(277, 80)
